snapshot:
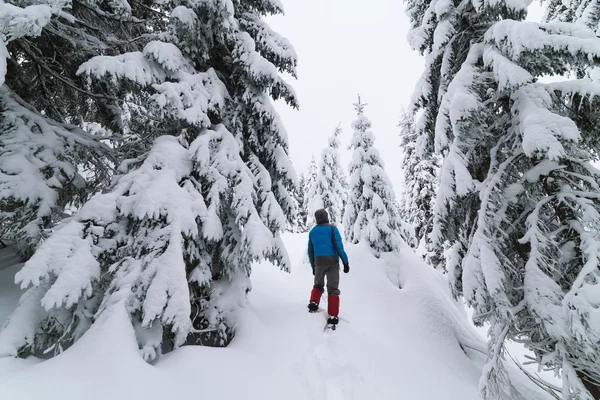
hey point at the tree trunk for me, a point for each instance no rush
(591, 387)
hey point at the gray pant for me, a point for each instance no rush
(327, 267)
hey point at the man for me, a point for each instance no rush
(325, 247)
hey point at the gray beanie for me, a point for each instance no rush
(321, 216)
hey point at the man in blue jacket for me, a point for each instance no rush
(325, 248)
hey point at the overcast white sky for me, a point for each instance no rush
(346, 47)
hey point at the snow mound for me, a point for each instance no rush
(400, 332)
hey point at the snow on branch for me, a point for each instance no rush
(134, 66)
(180, 91)
(38, 171)
(17, 22)
(517, 38)
(185, 15)
(154, 64)
(458, 102)
(585, 87)
(261, 72)
(66, 260)
(273, 47)
(267, 7)
(507, 73)
(543, 131)
(192, 97)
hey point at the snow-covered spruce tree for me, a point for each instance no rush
(301, 214)
(331, 185)
(259, 55)
(312, 200)
(292, 224)
(441, 31)
(246, 55)
(372, 213)
(343, 178)
(519, 201)
(45, 106)
(174, 238)
(420, 185)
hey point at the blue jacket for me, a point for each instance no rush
(321, 243)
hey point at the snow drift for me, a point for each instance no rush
(401, 336)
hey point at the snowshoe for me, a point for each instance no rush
(313, 307)
(331, 323)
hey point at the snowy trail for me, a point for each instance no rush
(397, 342)
(391, 344)
(378, 353)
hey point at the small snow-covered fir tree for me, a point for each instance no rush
(312, 199)
(301, 215)
(329, 186)
(174, 238)
(519, 199)
(420, 185)
(372, 213)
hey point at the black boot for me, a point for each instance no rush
(313, 307)
(333, 320)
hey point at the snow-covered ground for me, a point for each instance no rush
(401, 337)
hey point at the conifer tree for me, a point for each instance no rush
(50, 119)
(441, 31)
(372, 213)
(174, 238)
(517, 204)
(519, 200)
(420, 185)
(329, 187)
(312, 200)
(301, 216)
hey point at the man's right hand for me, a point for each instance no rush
(346, 268)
